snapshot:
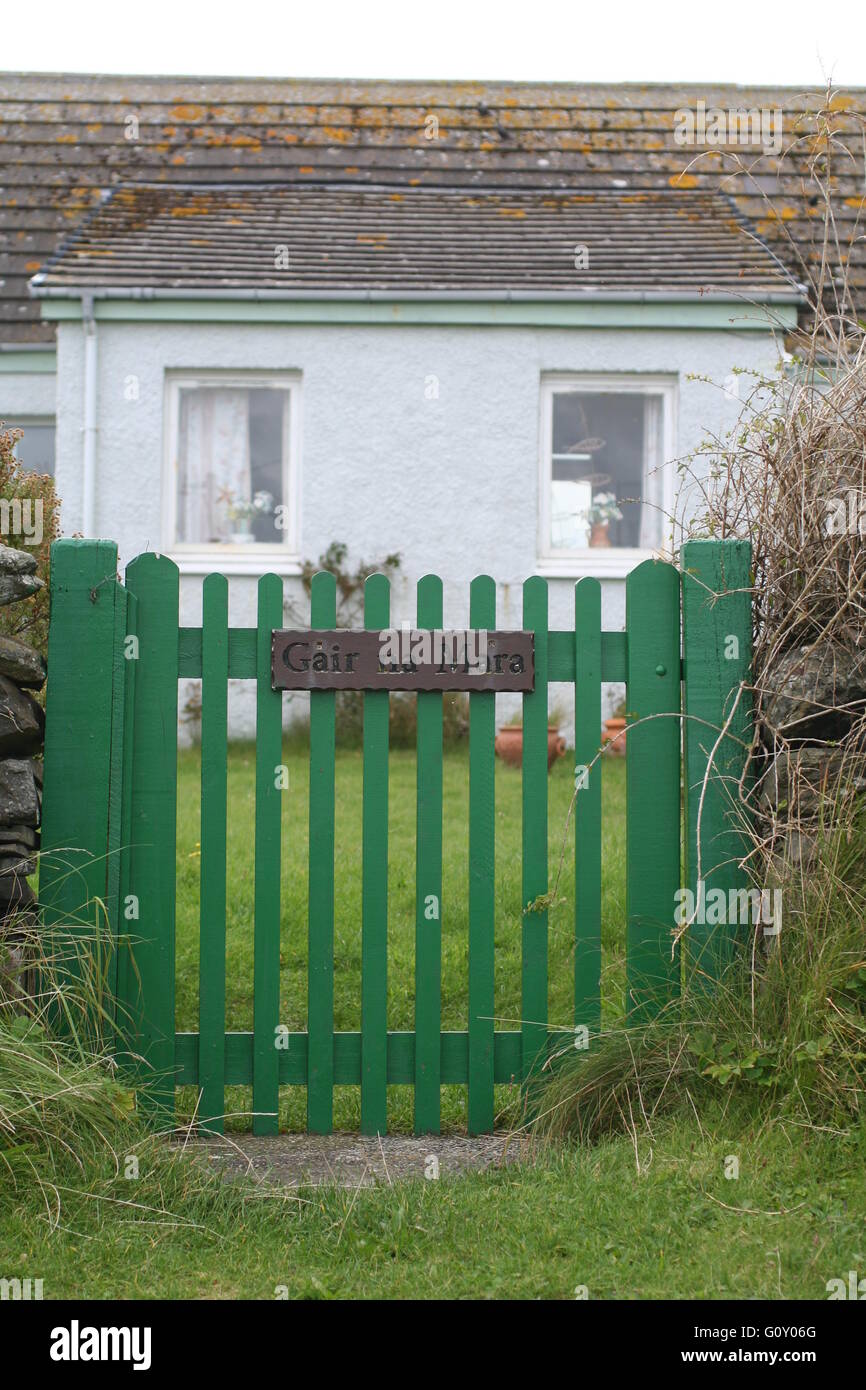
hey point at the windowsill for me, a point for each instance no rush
(596, 562)
(251, 560)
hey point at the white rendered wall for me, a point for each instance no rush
(449, 481)
(26, 393)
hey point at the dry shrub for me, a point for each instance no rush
(28, 622)
(791, 478)
(785, 1030)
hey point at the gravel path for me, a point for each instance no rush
(352, 1160)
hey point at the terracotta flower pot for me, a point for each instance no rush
(509, 744)
(613, 734)
(555, 745)
(599, 534)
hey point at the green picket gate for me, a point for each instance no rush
(116, 653)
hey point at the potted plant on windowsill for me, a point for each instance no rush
(509, 741)
(601, 512)
(242, 513)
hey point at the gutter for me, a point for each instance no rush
(89, 462)
(796, 295)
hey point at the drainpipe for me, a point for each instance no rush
(89, 469)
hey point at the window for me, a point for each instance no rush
(605, 490)
(35, 448)
(231, 453)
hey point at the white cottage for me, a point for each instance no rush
(486, 359)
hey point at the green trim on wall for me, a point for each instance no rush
(43, 363)
(709, 314)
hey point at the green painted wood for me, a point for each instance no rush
(374, 893)
(717, 647)
(534, 930)
(320, 982)
(482, 898)
(270, 779)
(587, 808)
(154, 581)
(113, 905)
(127, 983)
(212, 891)
(560, 654)
(562, 312)
(454, 1059)
(428, 883)
(74, 864)
(653, 822)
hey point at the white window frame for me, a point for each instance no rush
(253, 558)
(614, 562)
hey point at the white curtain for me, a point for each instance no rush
(569, 503)
(652, 494)
(213, 462)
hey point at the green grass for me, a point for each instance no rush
(677, 1228)
(649, 1214)
(401, 928)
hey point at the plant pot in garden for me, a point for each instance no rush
(613, 736)
(599, 535)
(509, 744)
(555, 745)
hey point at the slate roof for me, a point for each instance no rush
(287, 239)
(64, 139)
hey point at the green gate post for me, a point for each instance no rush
(77, 873)
(717, 662)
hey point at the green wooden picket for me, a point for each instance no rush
(374, 893)
(270, 787)
(212, 892)
(115, 657)
(154, 580)
(482, 823)
(320, 969)
(587, 809)
(717, 637)
(653, 825)
(428, 882)
(113, 899)
(127, 990)
(534, 884)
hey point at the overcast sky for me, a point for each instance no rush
(797, 42)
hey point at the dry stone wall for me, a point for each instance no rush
(22, 724)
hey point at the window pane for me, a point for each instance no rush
(35, 448)
(231, 463)
(602, 447)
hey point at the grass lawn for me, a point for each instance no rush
(651, 1215)
(675, 1229)
(401, 930)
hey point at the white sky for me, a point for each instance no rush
(794, 42)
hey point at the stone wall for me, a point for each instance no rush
(22, 723)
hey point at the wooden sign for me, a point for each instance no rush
(403, 659)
